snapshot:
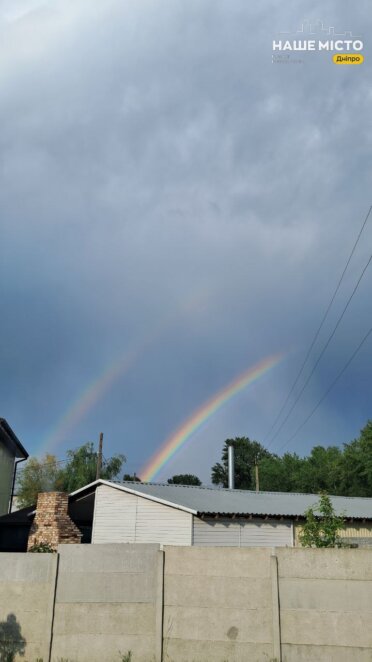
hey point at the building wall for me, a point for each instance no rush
(123, 517)
(355, 532)
(227, 532)
(6, 478)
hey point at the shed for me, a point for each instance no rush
(189, 515)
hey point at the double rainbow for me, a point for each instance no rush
(202, 414)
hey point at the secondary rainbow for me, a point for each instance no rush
(96, 389)
(203, 413)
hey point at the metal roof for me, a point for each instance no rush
(215, 501)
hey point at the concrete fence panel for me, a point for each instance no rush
(186, 604)
(27, 586)
(106, 603)
(325, 604)
(217, 605)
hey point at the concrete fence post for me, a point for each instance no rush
(277, 651)
(52, 605)
(159, 607)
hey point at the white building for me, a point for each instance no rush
(187, 515)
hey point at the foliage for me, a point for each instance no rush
(184, 479)
(356, 475)
(246, 452)
(344, 470)
(46, 475)
(81, 467)
(125, 657)
(131, 478)
(322, 525)
(42, 548)
(37, 476)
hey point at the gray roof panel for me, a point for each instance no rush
(212, 501)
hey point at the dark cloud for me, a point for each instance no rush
(157, 170)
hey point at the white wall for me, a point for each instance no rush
(123, 517)
(227, 532)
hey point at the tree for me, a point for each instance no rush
(246, 452)
(133, 479)
(46, 475)
(356, 465)
(81, 467)
(184, 479)
(322, 525)
(38, 476)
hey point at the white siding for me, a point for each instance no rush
(266, 533)
(226, 532)
(219, 532)
(114, 516)
(123, 517)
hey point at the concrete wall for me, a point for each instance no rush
(107, 602)
(188, 604)
(27, 586)
(325, 604)
(217, 605)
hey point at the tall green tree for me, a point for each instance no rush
(356, 472)
(42, 475)
(280, 474)
(81, 467)
(246, 452)
(47, 474)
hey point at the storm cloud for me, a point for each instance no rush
(167, 192)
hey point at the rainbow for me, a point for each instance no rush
(201, 415)
(98, 387)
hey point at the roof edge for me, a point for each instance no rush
(124, 488)
(13, 441)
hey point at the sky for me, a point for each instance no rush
(175, 207)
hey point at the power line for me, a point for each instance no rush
(328, 340)
(320, 327)
(329, 389)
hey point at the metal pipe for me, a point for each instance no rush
(231, 467)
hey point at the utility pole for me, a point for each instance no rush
(257, 476)
(99, 457)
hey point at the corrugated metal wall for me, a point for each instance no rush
(227, 532)
(123, 517)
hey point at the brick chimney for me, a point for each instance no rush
(52, 524)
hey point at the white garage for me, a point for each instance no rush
(185, 515)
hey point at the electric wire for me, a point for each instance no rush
(322, 352)
(333, 383)
(319, 327)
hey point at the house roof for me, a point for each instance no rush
(9, 439)
(210, 501)
(22, 516)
